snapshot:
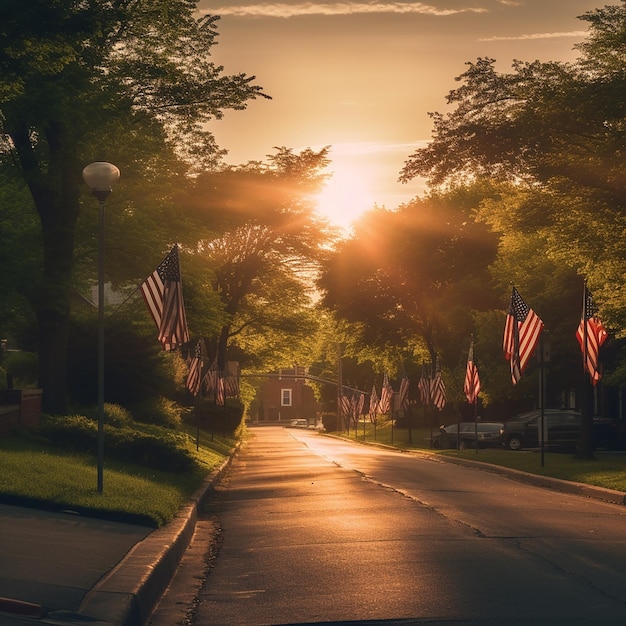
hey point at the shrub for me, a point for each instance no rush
(75, 432)
(331, 422)
(22, 366)
(157, 448)
(161, 411)
(226, 420)
(114, 415)
(167, 451)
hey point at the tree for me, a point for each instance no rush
(72, 77)
(413, 273)
(556, 130)
(264, 262)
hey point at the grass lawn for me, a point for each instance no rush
(607, 470)
(37, 475)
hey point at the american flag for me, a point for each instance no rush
(521, 333)
(163, 293)
(220, 396)
(386, 396)
(438, 388)
(591, 335)
(373, 401)
(404, 393)
(359, 403)
(472, 380)
(209, 382)
(424, 387)
(194, 377)
(346, 404)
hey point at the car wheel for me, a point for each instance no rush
(462, 445)
(514, 443)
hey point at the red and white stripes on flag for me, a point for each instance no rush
(373, 402)
(591, 334)
(471, 387)
(522, 330)
(404, 393)
(358, 402)
(194, 376)
(424, 387)
(220, 393)
(163, 293)
(438, 388)
(386, 397)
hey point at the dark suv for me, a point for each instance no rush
(563, 429)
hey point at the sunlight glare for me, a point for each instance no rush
(344, 199)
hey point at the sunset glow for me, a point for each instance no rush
(345, 197)
(362, 78)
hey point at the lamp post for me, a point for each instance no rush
(100, 176)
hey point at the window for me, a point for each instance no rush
(285, 397)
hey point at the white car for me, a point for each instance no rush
(298, 423)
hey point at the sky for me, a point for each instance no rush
(362, 77)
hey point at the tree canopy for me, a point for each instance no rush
(88, 81)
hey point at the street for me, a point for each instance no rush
(314, 529)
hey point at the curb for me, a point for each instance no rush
(127, 595)
(19, 607)
(556, 484)
(611, 496)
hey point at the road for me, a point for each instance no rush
(315, 529)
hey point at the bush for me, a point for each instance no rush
(161, 411)
(135, 363)
(74, 432)
(331, 422)
(157, 448)
(114, 415)
(22, 367)
(226, 420)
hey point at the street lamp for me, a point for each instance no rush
(100, 176)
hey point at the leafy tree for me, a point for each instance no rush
(557, 131)
(414, 273)
(264, 262)
(74, 77)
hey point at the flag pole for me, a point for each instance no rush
(541, 402)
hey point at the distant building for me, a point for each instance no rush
(284, 397)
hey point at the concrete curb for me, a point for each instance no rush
(566, 486)
(127, 595)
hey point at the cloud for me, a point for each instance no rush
(285, 10)
(529, 36)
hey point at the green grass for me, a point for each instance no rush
(606, 470)
(35, 474)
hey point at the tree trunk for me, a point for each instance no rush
(52, 340)
(55, 194)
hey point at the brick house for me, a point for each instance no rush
(284, 397)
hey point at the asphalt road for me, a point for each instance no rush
(312, 529)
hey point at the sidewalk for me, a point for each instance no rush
(61, 568)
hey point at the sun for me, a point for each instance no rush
(344, 198)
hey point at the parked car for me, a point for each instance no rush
(563, 430)
(488, 435)
(298, 423)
